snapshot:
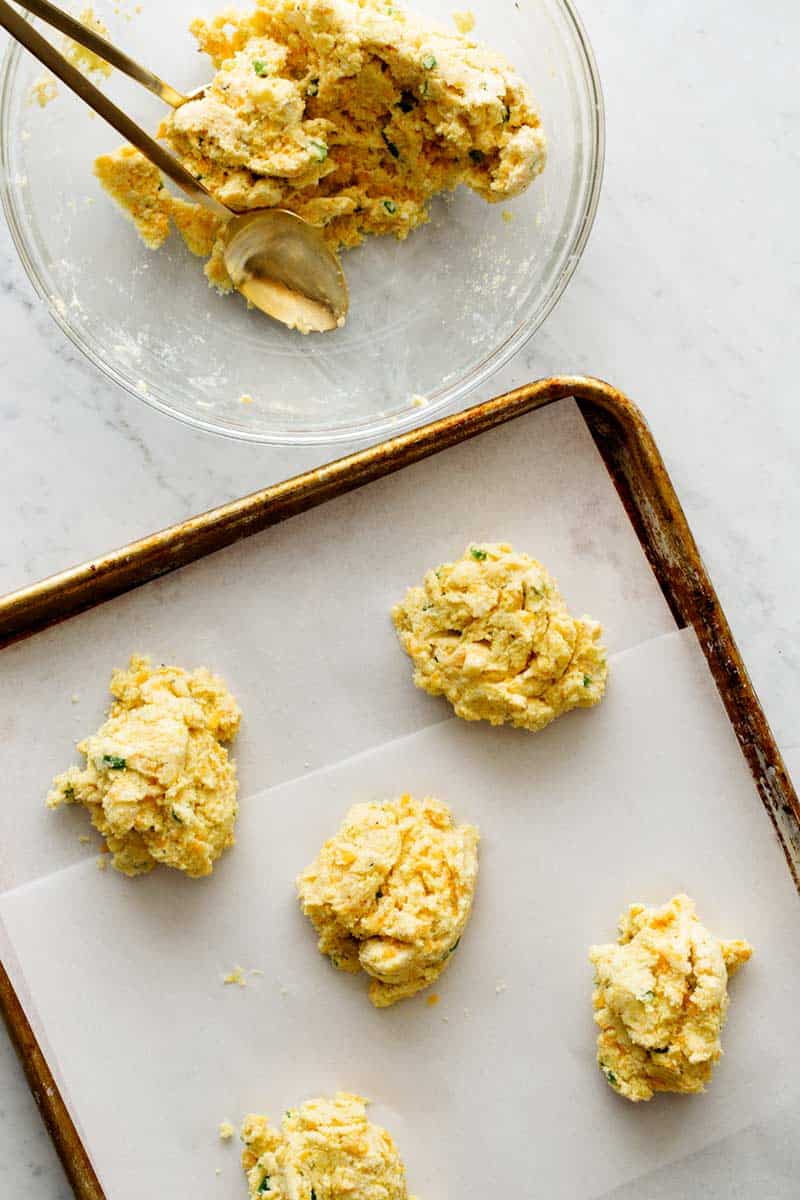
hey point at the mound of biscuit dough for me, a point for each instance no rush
(491, 632)
(324, 1150)
(158, 783)
(392, 892)
(660, 999)
(351, 113)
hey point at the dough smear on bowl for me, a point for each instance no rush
(324, 1150)
(351, 113)
(660, 999)
(491, 632)
(391, 893)
(158, 783)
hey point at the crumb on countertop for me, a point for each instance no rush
(433, 1000)
(226, 1131)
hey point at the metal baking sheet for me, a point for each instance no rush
(296, 619)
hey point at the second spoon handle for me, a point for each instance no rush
(106, 50)
(127, 128)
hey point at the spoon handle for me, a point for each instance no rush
(127, 128)
(80, 33)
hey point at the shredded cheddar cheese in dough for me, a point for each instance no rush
(351, 113)
(324, 1150)
(660, 999)
(391, 893)
(158, 783)
(491, 632)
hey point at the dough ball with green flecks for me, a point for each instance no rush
(158, 783)
(661, 998)
(391, 893)
(492, 633)
(324, 1150)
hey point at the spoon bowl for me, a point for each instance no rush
(282, 265)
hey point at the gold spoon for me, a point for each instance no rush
(278, 261)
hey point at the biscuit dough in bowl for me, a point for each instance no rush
(492, 633)
(391, 893)
(353, 114)
(158, 783)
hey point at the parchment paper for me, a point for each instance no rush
(297, 619)
(492, 1091)
(488, 1088)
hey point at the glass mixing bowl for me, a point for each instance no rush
(432, 317)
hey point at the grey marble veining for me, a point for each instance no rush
(687, 299)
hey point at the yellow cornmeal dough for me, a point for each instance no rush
(392, 892)
(45, 89)
(351, 113)
(464, 21)
(135, 183)
(660, 999)
(86, 60)
(158, 783)
(491, 632)
(325, 1150)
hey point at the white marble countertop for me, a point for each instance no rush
(687, 300)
